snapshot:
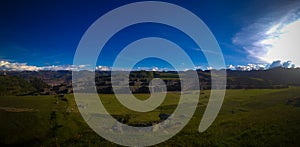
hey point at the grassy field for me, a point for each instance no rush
(257, 117)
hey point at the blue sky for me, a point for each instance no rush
(251, 34)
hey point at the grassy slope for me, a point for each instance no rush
(247, 118)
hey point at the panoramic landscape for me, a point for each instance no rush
(260, 108)
(53, 52)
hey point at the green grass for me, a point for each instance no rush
(257, 117)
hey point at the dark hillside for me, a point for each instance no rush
(13, 85)
(61, 81)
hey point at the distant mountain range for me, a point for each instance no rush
(60, 82)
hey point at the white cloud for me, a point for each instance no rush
(232, 67)
(155, 69)
(283, 43)
(270, 39)
(209, 68)
(6, 65)
(3, 63)
(247, 67)
(250, 67)
(288, 64)
(63, 67)
(198, 67)
(278, 63)
(102, 68)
